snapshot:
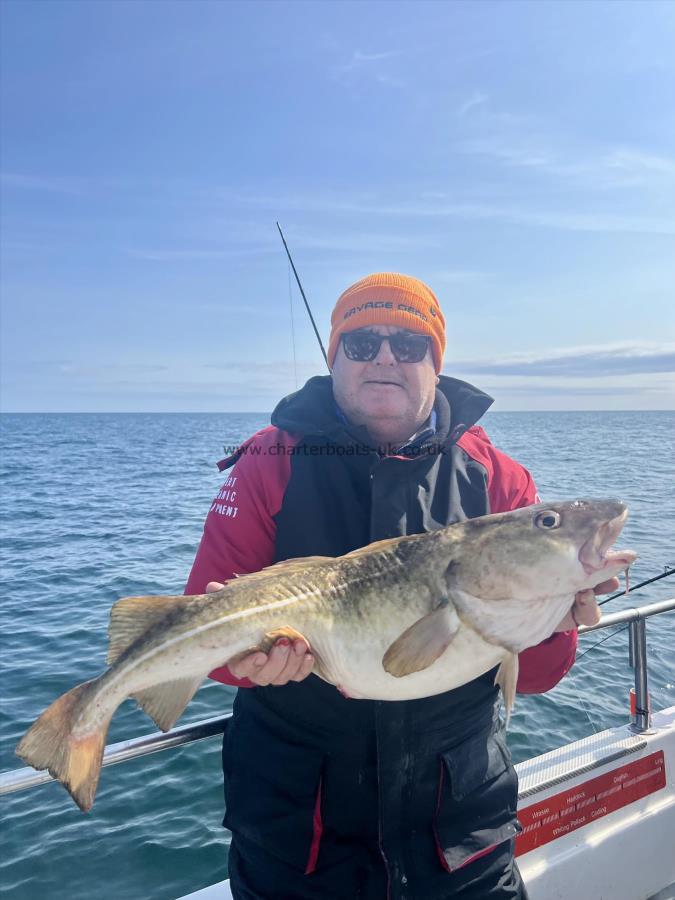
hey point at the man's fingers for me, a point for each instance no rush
(295, 660)
(586, 610)
(249, 666)
(276, 661)
(285, 662)
(304, 661)
(214, 586)
(306, 666)
(607, 587)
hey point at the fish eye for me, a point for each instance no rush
(547, 519)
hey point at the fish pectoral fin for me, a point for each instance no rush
(131, 616)
(420, 645)
(164, 703)
(507, 678)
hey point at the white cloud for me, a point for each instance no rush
(590, 361)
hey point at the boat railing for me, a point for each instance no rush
(21, 779)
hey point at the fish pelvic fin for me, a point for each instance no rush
(507, 678)
(420, 645)
(73, 760)
(165, 703)
(132, 616)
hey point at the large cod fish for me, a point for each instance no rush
(400, 619)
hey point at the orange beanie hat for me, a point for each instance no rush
(387, 298)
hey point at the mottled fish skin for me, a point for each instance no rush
(400, 619)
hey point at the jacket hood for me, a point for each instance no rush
(312, 410)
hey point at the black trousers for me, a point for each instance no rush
(257, 875)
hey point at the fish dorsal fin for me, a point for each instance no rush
(420, 645)
(384, 544)
(131, 616)
(371, 548)
(291, 566)
(164, 703)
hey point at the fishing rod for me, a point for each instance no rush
(309, 311)
(669, 570)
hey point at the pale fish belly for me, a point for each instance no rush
(359, 673)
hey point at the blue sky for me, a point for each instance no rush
(519, 157)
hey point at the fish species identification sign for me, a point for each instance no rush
(584, 803)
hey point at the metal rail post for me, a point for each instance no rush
(638, 644)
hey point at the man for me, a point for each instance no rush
(328, 797)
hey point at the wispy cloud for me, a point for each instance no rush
(572, 389)
(358, 57)
(359, 60)
(477, 98)
(579, 362)
(637, 162)
(459, 276)
(597, 168)
(348, 241)
(352, 241)
(274, 370)
(197, 254)
(57, 184)
(370, 65)
(435, 207)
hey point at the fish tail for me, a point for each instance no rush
(74, 760)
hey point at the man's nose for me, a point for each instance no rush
(384, 355)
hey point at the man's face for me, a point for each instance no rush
(391, 399)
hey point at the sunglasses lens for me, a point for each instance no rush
(409, 348)
(361, 346)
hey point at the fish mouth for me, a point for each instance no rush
(596, 554)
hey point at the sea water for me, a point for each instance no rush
(98, 507)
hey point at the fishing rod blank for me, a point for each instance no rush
(309, 311)
(665, 574)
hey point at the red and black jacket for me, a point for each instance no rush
(314, 777)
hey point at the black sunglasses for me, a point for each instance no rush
(363, 346)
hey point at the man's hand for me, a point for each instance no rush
(586, 610)
(287, 660)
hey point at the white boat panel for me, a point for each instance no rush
(627, 854)
(220, 891)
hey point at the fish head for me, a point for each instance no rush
(561, 547)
